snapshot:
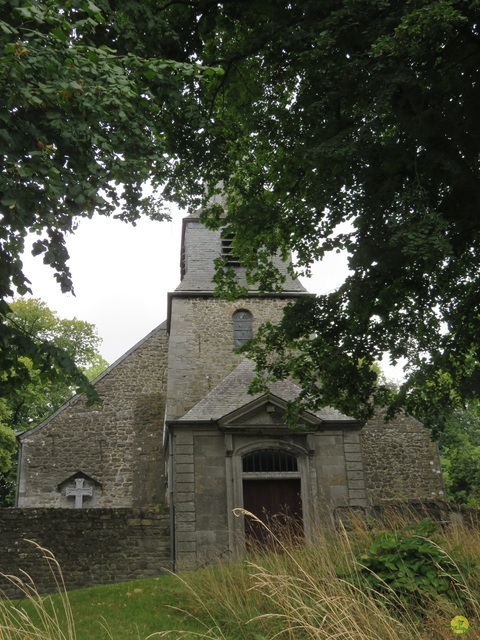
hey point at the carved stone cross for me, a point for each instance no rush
(79, 492)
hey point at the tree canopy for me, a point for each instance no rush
(36, 400)
(460, 455)
(354, 126)
(76, 338)
(92, 97)
(335, 125)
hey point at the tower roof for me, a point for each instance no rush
(201, 246)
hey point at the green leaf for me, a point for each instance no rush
(8, 201)
(59, 34)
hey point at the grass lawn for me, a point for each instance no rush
(132, 610)
(122, 611)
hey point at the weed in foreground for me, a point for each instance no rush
(410, 566)
(42, 618)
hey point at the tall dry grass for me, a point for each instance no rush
(44, 617)
(302, 593)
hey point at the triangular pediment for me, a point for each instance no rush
(266, 412)
(78, 474)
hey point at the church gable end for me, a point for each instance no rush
(401, 460)
(118, 442)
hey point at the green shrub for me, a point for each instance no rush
(408, 567)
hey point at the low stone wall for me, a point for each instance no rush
(92, 546)
(445, 513)
(391, 513)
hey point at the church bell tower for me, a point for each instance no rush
(204, 331)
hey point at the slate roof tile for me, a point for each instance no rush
(232, 394)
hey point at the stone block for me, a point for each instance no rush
(186, 561)
(333, 480)
(184, 468)
(351, 438)
(356, 484)
(185, 516)
(359, 502)
(185, 536)
(186, 526)
(356, 494)
(354, 466)
(338, 491)
(356, 475)
(183, 450)
(182, 498)
(184, 477)
(353, 457)
(352, 448)
(183, 438)
(140, 522)
(186, 546)
(332, 470)
(324, 440)
(183, 487)
(182, 507)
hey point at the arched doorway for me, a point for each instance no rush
(272, 492)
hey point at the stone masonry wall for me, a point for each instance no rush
(400, 460)
(339, 470)
(117, 444)
(201, 345)
(92, 546)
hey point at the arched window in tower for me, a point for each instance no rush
(242, 327)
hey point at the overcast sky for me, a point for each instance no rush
(122, 275)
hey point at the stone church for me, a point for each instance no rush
(177, 430)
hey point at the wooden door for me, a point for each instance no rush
(277, 503)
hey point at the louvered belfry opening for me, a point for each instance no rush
(269, 461)
(182, 262)
(230, 258)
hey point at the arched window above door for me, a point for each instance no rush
(242, 327)
(269, 461)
